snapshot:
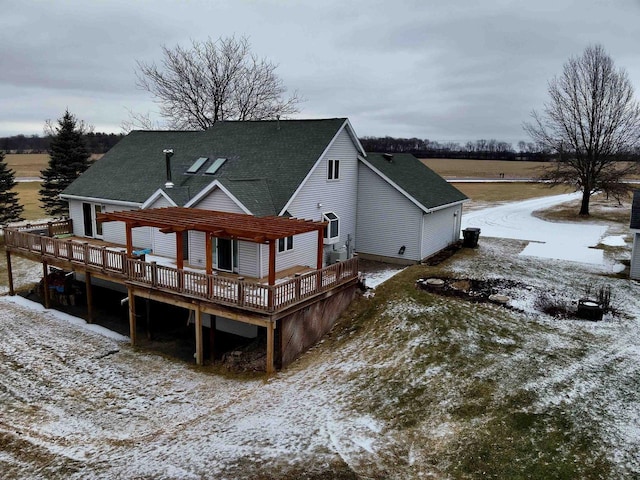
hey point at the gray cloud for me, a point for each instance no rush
(440, 70)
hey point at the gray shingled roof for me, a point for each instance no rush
(266, 162)
(415, 178)
(635, 211)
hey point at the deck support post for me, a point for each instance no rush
(89, 289)
(148, 317)
(10, 274)
(199, 343)
(45, 284)
(270, 368)
(132, 315)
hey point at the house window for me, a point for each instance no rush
(333, 169)
(331, 231)
(285, 244)
(92, 227)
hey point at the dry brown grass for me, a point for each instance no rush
(502, 192)
(453, 167)
(27, 164)
(28, 195)
(461, 168)
(31, 164)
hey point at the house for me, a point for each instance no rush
(244, 204)
(313, 169)
(635, 230)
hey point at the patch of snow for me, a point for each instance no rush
(561, 241)
(375, 278)
(614, 241)
(37, 307)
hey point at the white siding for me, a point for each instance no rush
(197, 253)
(75, 214)
(387, 220)
(635, 257)
(338, 196)
(440, 229)
(218, 200)
(113, 232)
(163, 244)
(303, 254)
(248, 259)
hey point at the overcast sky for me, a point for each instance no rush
(442, 70)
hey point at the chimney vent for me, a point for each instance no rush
(388, 157)
(168, 153)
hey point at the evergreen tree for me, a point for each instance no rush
(10, 208)
(68, 158)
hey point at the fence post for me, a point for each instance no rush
(49, 229)
(298, 282)
(240, 291)
(104, 257)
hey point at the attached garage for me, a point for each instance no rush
(420, 211)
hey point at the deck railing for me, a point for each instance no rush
(217, 289)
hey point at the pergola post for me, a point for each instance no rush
(89, 290)
(129, 237)
(10, 274)
(272, 262)
(209, 252)
(179, 252)
(320, 253)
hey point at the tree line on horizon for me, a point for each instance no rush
(96, 142)
(477, 150)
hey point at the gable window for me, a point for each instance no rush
(331, 231)
(333, 170)
(285, 244)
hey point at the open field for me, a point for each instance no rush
(28, 194)
(483, 194)
(27, 164)
(31, 164)
(408, 385)
(460, 168)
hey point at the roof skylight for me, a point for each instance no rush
(215, 166)
(197, 165)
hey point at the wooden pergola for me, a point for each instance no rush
(215, 224)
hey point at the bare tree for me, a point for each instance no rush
(590, 120)
(215, 80)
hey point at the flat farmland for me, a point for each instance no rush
(27, 164)
(462, 168)
(31, 164)
(452, 168)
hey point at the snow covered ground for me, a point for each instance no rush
(377, 400)
(561, 241)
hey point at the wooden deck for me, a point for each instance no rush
(39, 242)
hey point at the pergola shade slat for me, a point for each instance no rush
(237, 226)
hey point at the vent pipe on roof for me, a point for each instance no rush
(388, 157)
(168, 152)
